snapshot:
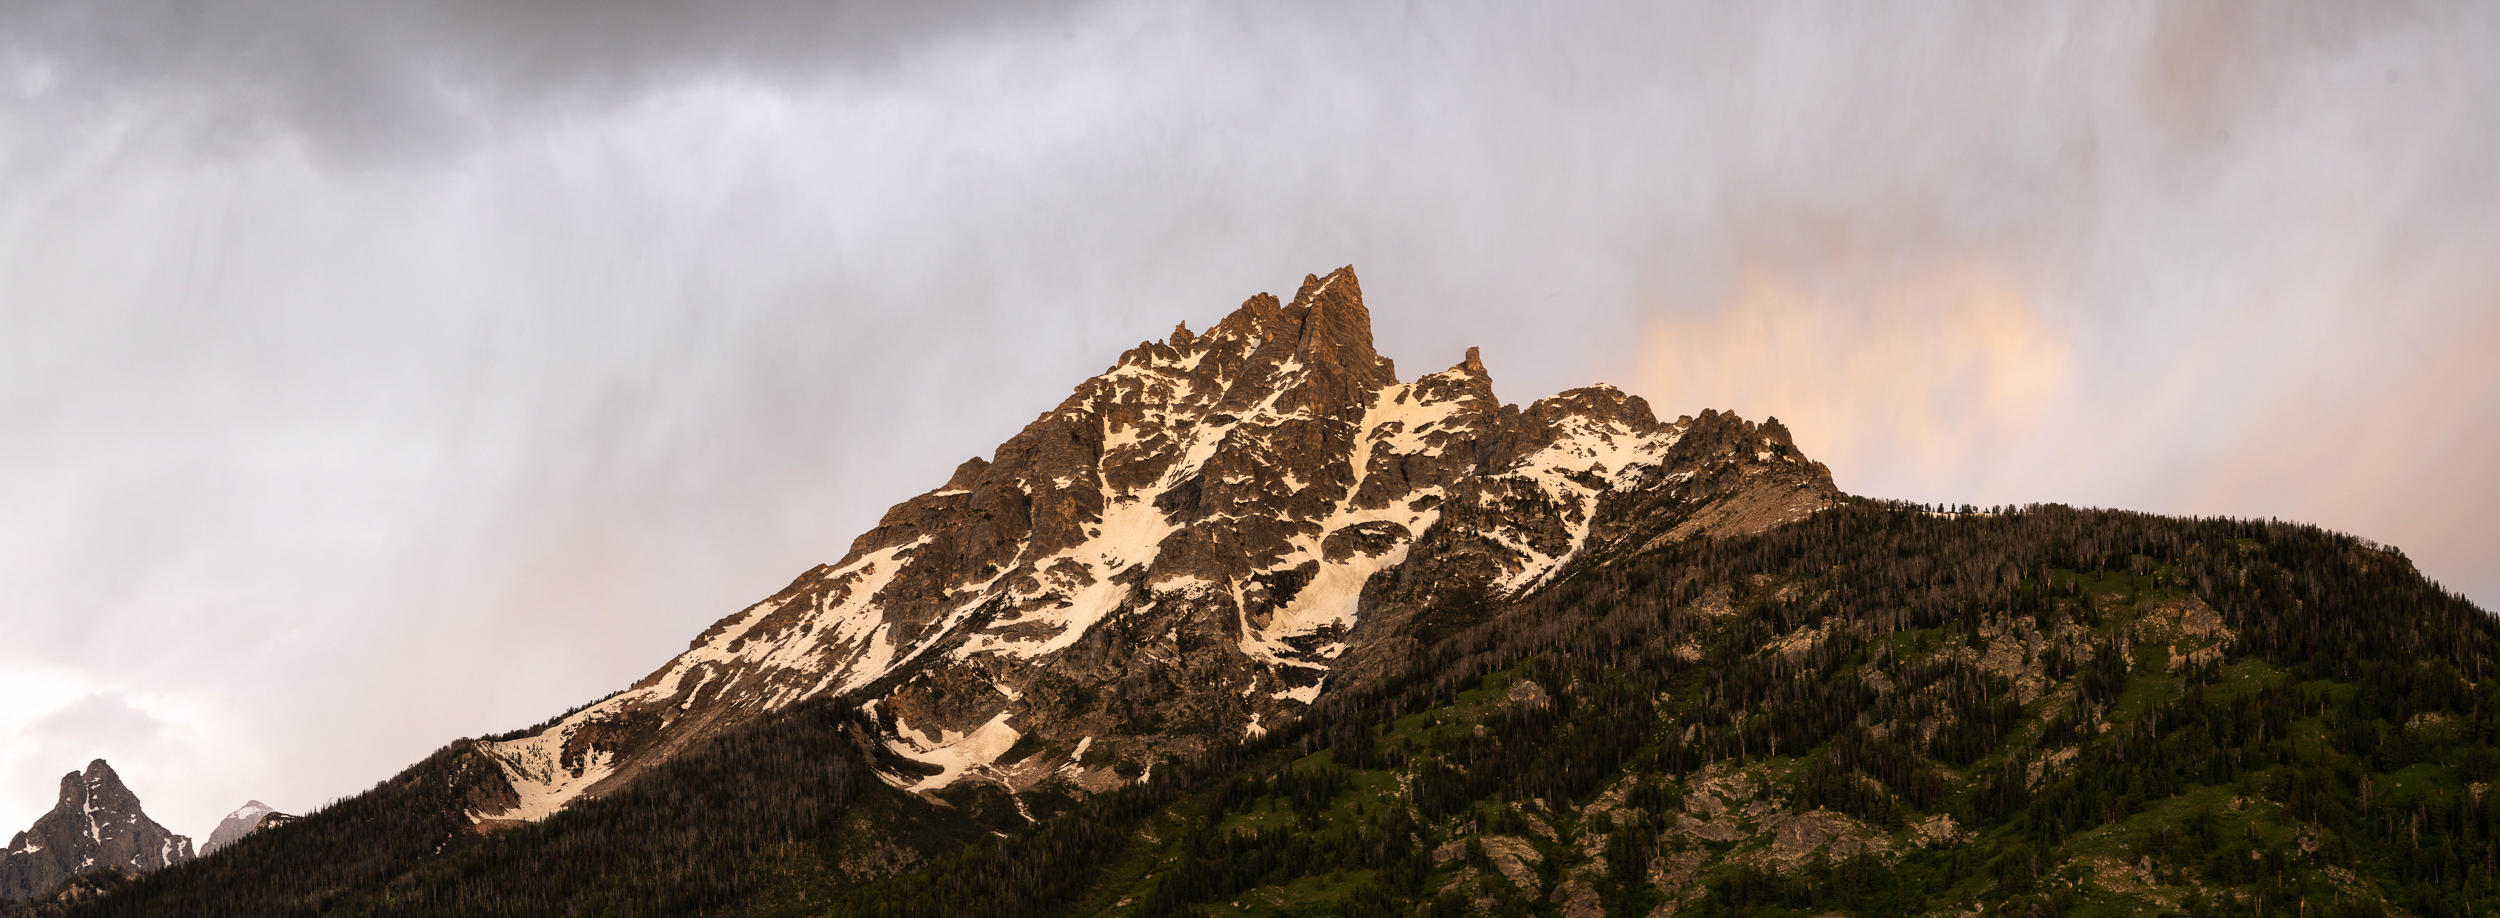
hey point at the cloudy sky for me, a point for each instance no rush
(375, 374)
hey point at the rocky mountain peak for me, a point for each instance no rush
(96, 824)
(245, 820)
(1466, 379)
(1335, 330)
(1187, 549)
(97, 788)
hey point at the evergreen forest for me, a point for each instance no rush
(1885, 709)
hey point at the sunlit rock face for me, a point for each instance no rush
(1190, 549)
(97, 824)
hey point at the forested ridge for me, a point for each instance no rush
(1883, 709)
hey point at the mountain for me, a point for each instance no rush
(243, 821)
(96, 825)
(1177, 556)
(1248, 626)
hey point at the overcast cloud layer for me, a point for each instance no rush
(377, 374)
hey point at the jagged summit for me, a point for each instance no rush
(1186, 550)
(96, 824)
(1506, 667)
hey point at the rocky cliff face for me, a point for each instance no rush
(1192, 547)
(96, 825)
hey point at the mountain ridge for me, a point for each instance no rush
(1245, 625)
(1236, 490)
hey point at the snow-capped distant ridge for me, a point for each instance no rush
(97, 823)
(1191, 548)
(245, 820)
(251, 809)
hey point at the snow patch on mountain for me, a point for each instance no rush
(955, 754)
(1200, 523)
(540, 777)
(1588, 458)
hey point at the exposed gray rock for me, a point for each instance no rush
(1188, 550)
(96, 825)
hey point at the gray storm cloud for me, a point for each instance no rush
(376, 374)
(371, 81)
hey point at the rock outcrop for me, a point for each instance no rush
(1191, 548)
(97, 825)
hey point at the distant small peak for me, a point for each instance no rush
(1181, 336)
(1474, 364)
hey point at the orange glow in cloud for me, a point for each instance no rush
(1922, 375)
